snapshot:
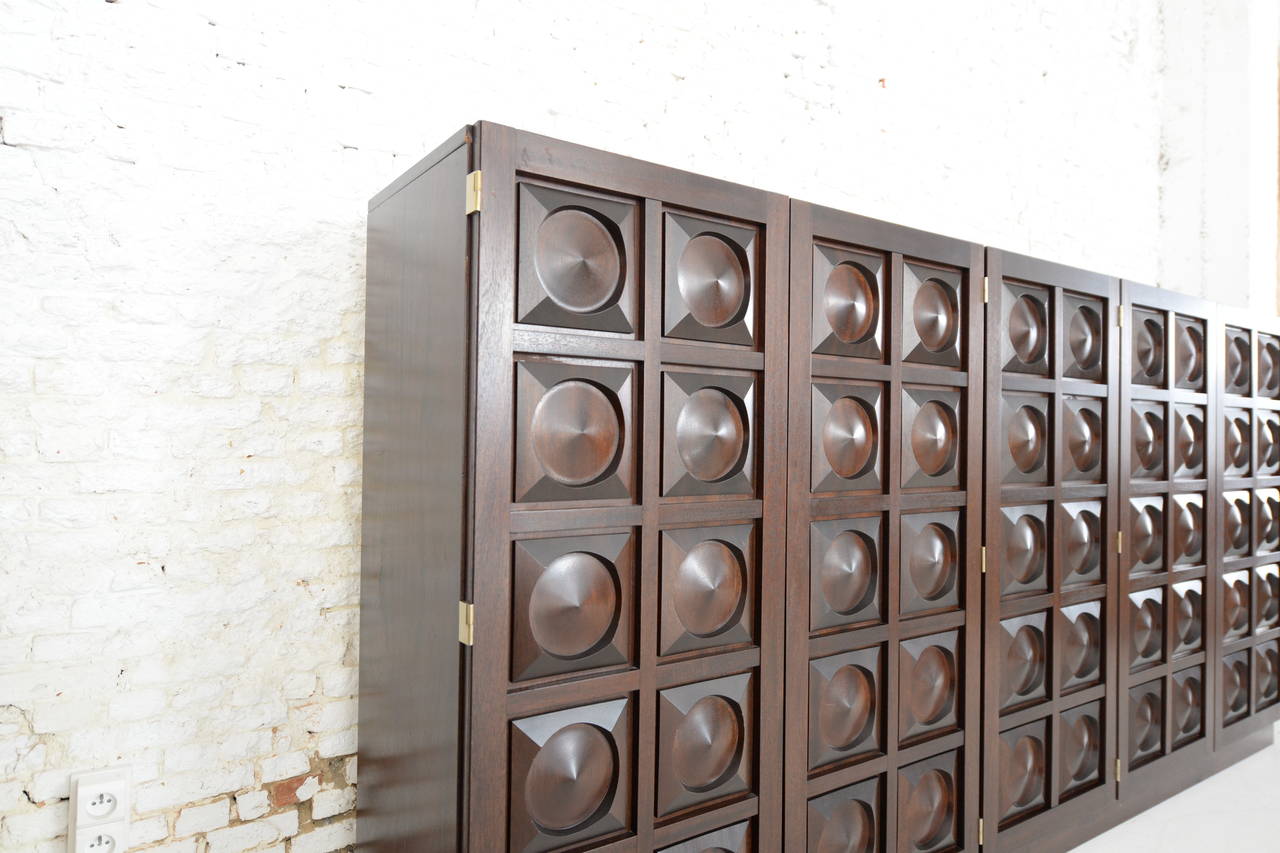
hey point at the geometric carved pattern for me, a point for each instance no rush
(1084, 438)
(710, 280)
(1188, 442)
(848, 292)
(1268, 366)
(1268, 442)
(1024, 767)
(931, 563)
(929, 683)
(1187, 705)
(1025, 424)
(1237, 523)
(844, 706)
(1239, 362)
(708, 445)
(932, 325)
(1148, 348)
(1148, 429)
(1082, 645)
(1080, 748)
(1235, 686)
(1146, 722)
(1082, 531)
(1188, 617)
(1146, 628)
(931, 437)
(847, 820)
(708, 587)
(730, 839)
(1024, 656)
(1189, 354)
(706, 735)
(1146, 535)
(846, 447)
(1266, 597)
(929, 803)
(1188, 529)
(846, 571)
(1084, 338)
(1025, 347)
(1237, 439)
(1025, 563)
(1236, 604)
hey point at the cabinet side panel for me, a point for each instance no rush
(415, 493)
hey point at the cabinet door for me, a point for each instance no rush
(883, 588)
(630, 409)
(1050, 510)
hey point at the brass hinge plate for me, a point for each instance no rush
(1120, 316)
(1117, 770)
(981, 834)
(986, 289)
(984, 559)
(466, 623)
(1120, 542)
(473, 191)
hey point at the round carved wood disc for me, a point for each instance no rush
(711, 436)
(1186, 705)
(934, 561)
(933, 438)
(708, 588)
(1269, 672)
(1238, 362)
(1188, 440)
(1267, 445)
(932, 685)
(930, 810)
(1188, 618)
(707, 744)
(847, 573)
(851, 828)
(578, 261)
(1269, 376)
(1024, 661)
(1188, 531)
(1148, 628)
(1024, 549)
(1269, 597)
(1021, 772)
(846, 706)
(1148, 534)
(935, 315)
(1148, 347)
(1268, 521)
(1084, 337)
(1028, 329)
(849, 438)
(1148, 440)
(576, 432)
(1083, 651)
(849, 302)
(1189, 357)
(1145, 723)
(1236, 442)
(570, 778)
(1027, 434)
(1235, 606)
(1235, 678)
(1083, 545)
(1084, 439)
(1236, 525)
(573, 607)
(712, 280)
(1082, 747)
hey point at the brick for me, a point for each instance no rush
(247, 836)
(203, 818)
(329, 803)
(252, 804)
(326, 839)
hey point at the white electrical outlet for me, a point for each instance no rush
(99, 814)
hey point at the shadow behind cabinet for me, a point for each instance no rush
(655, 462)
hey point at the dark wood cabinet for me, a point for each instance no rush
(699, 518)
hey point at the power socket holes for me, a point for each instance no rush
(99, 814)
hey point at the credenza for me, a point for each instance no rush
(699, 518)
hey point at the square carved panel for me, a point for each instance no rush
(1083, 326)
(1189, 353)
(571, 776)
(1186, 607)
(931, 559)
(1239, 362)
(1145, 612)
(1146, 722)
(848, 302)
(932, 438)
(1188, 529)
(1148, 336)
(1025, 548)
(1186, 702)
(1081, 640)
(847, 819)
(1080, 748)
(573, 436)
(1237, 524)
(706, 741)
(1266, 674)
(1081, 531)
(1268, 435)
(1145, 535)
(1147, 431)
(1237, 442)
(846, 571)
(1235, 686)
(1024, 771)
(1025, 341)
(845, 449)
(738, 838)
(1266, 504)
(1025, 438)
(933, 315)
(929, 682)
(708, 587)
(1084, 439)
(708, 434)
(846, 694)
(1266, 597)
(709, 276)
(1237, 604)
(930, 796)
(578, 260)
(1188, 442)
(1268, 366)
(1024, 660)
(572, 604)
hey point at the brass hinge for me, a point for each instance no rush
(1117, 770)
(1120, 316)
(466, 623)
(981, 835)
(473, 191)
(986, 289)
(1120, 542)
(984, 559)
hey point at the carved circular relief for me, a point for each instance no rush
(1024, 549)
(933, 685)
(1083, 653)
(1269, 376)
(1024, 661)
(1269, 672)
(1186, 705)
(1236, 525)
(1084, 337)
(1148, 440)
(573, 608)
(849, 302)
(1148, 534)
(934, 561)
(849, 438)
(571, 778)
(578, 261)
(846, 707)
(713, 281)
(1268, 521)
(1148, 347)
(1235, 681)
(1236, 442)
(1188, 618)
(1082, 747)
(1188, 440)
(576, 432)
(1084, 439)
(711, 435)
(1238, 362)
(1022, 772)
(851, 828)
(1028, 329)
(933, 439)
(1269, 597)
(1083, 545)
(1145, 723)
(1190, 355)
(1235, 606)
(708, 589)
(1027, 433)
(848, 572)
(1147, 630)
(936, 315)
(1268, 447)
(930, 810)
(707, 745)
(1188, 530)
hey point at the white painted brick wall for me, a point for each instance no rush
(182, 214)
